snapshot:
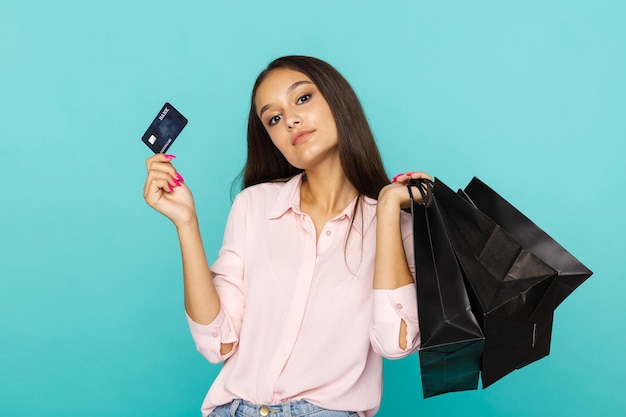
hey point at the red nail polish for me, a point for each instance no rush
(170, 156)
(176, 182)
(180, 177)
(171, 189)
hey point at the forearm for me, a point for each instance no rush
(391, 270)
(202, 301)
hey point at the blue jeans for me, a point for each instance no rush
(240, 408)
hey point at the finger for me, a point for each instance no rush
(156, 189)
(397, 177)
(404, 177)
(165, 168)
(420, 174)
(158, 164)
(153, 192)
(155, 183)
(159, 158)
(165, 178)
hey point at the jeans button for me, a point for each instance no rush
(264, 411)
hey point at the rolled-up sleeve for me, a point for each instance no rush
(391, 307)
(228, 279)
(209, 337)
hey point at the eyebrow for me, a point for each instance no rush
(289, 90)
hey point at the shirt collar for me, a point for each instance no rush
(289, 199)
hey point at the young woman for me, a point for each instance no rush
(314, 281)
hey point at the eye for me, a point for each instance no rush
(303, 99)
(274, 120)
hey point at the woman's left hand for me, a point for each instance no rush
(395, 194)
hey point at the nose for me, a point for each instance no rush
(293, 120)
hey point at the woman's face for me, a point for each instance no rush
(297, 118)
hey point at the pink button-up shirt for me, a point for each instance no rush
(304, 319)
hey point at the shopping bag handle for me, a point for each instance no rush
(424, 186)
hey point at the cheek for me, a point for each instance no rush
(279, 140)
(331, 130)
(329, 120)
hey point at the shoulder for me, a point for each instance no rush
(268, 196)
(264, 190)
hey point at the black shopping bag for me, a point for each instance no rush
(571, 272)
(451, 338)
(513, 292)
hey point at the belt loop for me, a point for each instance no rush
(233, 407)
(287, 409)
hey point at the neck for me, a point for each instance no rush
(328, 191)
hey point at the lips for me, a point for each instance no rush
(300, 136)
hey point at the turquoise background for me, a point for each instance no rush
(529, 96)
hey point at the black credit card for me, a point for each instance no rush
(164, 129)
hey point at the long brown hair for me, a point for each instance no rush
(358, 153)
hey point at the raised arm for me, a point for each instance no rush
(391, 270)
(166, 192)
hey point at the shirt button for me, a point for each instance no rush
(399, 306)
(328, 233)
(264, 411)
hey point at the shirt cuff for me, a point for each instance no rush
(209, 337)
(389, 304)
(391, 307)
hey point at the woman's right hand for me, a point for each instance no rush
(166, 192)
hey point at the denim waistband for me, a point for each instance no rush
(301, 408)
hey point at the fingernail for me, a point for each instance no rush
(171, 189)
(176, 182)
(170, 156)
(180, 177)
